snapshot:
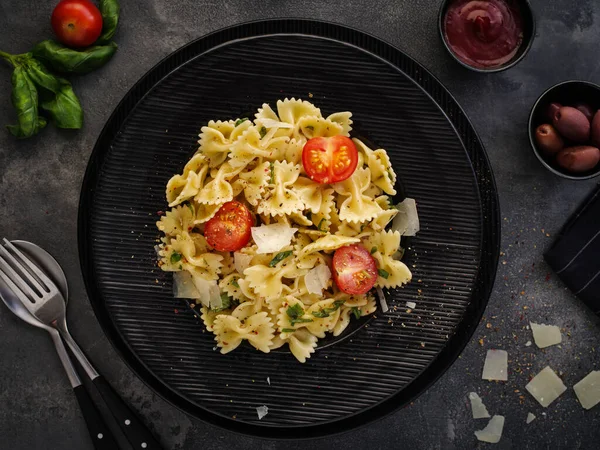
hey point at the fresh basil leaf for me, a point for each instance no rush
(65, 60)
(373, 250)
(356, 311)
(280, 257)
(320, 314)
(288, 330)
(110, 10)
(272, 167)
(383, 273)
(235, 283)
(263, 132)
(25, 101)
(295, 321)
(295, 311)
(321, 222)
(240, 121)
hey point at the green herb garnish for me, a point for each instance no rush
(240, 121)
(279, 257)
(356, 311)
(176, 257)
(235, 283)
(295, 321)
(263, 132)
(320, 224)
(288, 330)
(310, 127)
(383, 273)
(272, 167)
(373, 250)
(324, 312)
(295, 311)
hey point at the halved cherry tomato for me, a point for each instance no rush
(354, 269)
(329, 160)
(77, 23)
(229, 230)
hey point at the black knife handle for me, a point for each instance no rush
(138, 435)
(101, 435)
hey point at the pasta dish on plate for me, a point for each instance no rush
(283, 228)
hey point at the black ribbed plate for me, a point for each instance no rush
(397, 104)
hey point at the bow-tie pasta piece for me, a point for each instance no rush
(291, 111)
(229, 332)
(185, 186)
(208, 316)
(281, 198)
(318, 127)
(382, 173)
(385, 216)
(344, 119)
(302, 344)
(344, 320)
(254, 182)
(218, 190)
(176, 221)
(203, 213)
(230, 285)
(267, 281)
(328, 243)
(252, 145)
(217, 137)
(387, 244)
(356, 207)
(322, 218)
(311, 193)
(260, 331)
(293, 152)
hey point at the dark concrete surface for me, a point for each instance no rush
(40, 180)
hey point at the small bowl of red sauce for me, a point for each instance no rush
(487, 35)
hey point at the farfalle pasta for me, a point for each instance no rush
(278, 289)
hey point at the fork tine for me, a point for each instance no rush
(5, 254)
(49, 283)
(18, 292)
(17, 280)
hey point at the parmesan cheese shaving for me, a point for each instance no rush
(545, 335)
(241, 261)
(588, 390)
(546, 387)
(262, 411)
(317, 279)
(407, 219)
(183, 286)
(477, 407)
(495, 366)
(272, 123)
(384, 305)
(492, 433)
(272, 238)
(530, 417)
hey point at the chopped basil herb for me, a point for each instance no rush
(295, 321)
(310, 127)
(175, 257)
(373, 250)
(272, 167)
(362, 227)
(391, 203)
(295, 311)
(240, 121)
(226, 303)
(288, 330)
(324, 312)
(279, 257)
(382, 273)
(320, 224)
(390, 174)
(235, 283)
(263, 132)
(356, 311)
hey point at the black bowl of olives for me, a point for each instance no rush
(564, 129)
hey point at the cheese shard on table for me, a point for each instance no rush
(530, 417)
(493, 432)
(262, 411)
(588, 390)
(545, 335)
(546, 387)
(496, 365)
(477, 407)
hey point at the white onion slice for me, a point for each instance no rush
(272, 238)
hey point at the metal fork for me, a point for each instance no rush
(41, 297)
